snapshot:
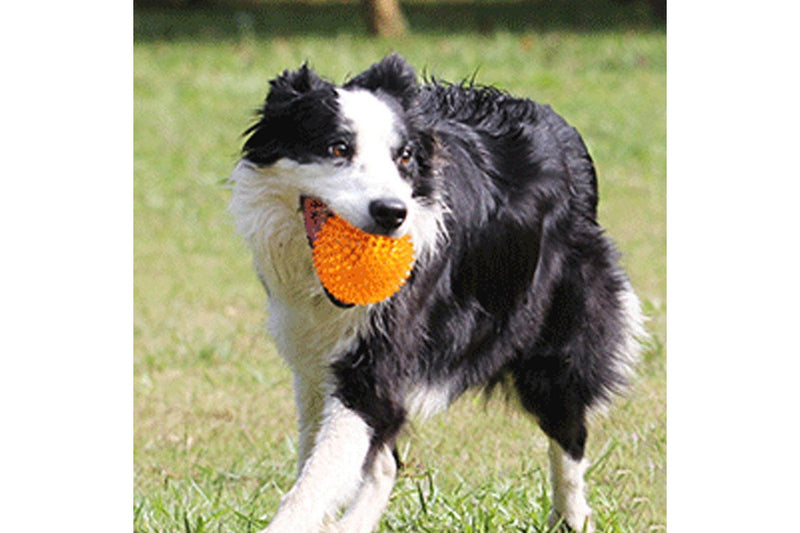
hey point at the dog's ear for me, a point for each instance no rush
(392, 76)
(289, 94)
(292, 84)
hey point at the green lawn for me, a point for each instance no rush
(214, 437)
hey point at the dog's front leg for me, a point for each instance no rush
(310, 392)
(373, 496)
(330, 476)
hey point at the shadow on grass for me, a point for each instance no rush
(232, 20)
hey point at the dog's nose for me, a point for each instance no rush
(388, 213)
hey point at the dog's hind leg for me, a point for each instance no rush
(561, 416)
(373, 496)
(569, 500)
(330, 476)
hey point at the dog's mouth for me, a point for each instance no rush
(315, 213)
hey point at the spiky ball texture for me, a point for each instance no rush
(357, 267)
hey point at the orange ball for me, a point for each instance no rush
(357, 267)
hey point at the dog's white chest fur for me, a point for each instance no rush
(307, 328)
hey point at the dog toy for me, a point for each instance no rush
(357, 267)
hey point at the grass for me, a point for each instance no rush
(214, 437)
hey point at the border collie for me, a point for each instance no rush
(514, 282)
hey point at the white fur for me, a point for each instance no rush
(628, 352)
(373, 496)
(310, 392)
(330, 476)
(569, 501)
(427, 400)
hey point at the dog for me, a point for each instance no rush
(514, 283)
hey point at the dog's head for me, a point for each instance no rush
(355, 150)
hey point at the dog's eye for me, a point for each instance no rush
(340, 149)
(405, 157)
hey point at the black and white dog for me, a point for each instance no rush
(514, 281)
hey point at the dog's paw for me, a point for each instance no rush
(575, 522)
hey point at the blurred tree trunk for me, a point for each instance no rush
(384, 17)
